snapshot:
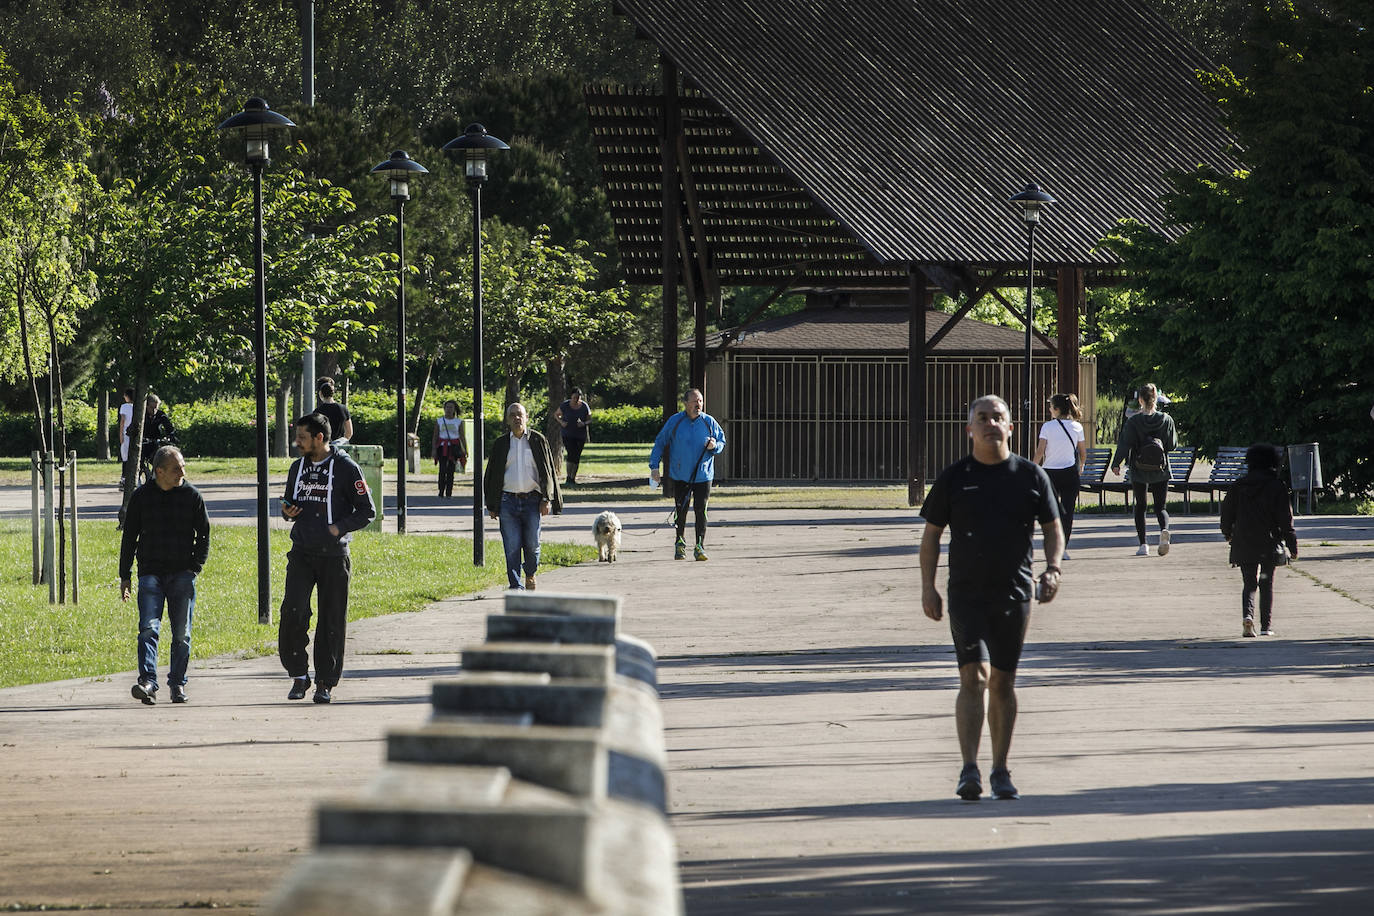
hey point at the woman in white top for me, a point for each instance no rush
(1062, 450)
(450, 447)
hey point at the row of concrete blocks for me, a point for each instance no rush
(537, 786)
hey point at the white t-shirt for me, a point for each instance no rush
(126, 413)
(520, 476)
(1059, 451)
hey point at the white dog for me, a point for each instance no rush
(606, 531)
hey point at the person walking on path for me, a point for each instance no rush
(573, 416)
(450, 447)
(1061, 451)
(340, 420)
(688, 444)
(168, 530)
(990, 500)
(521, 487)
(326, 500)
(1144, 444)
(1255, 519)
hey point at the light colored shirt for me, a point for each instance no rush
(126, 421)
(1061, 443)
(520, 476)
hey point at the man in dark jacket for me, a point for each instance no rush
(521, 488)
(326, 500)
(168, 529)
(1149, 423)
(1255, 515)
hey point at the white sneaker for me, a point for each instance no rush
(1143, 551)
(1164, 542)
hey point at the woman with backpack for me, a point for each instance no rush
(1255, 520)
(1144, 444)
(1061, 451)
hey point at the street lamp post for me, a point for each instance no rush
(1030, 200)
(399, 169)
(476, 145)
(256, 122)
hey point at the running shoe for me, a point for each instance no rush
(699, 552)
(1143, 550)
(970, 783)
(1266, 632)
(1164, 542)
(1249, 627)
(680, 550)
(1000, 781)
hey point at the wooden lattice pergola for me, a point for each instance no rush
(873, 144)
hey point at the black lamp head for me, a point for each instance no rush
(1030, 199)
(399, 169)
(476, 144)
(256, 122)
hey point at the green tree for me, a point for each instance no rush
(1256, 305)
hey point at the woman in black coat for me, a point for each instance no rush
(1255, 517)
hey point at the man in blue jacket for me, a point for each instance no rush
(326, 500)
(690, 441)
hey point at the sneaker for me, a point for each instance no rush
(699, 552)
(299, 686)
(1000, 781)
(1266, 632)
(322, 694)
(1249, 627)
(1143, 550)
(1164, 542)
(970, 783)
(178, 693)
(1064, 555)
(680, 550)
(529, 583)
(145, 691)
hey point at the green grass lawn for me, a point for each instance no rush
(391, 574)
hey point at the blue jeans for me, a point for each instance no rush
(178, 591)
(520, 534)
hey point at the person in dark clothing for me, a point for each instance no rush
(157, 430)
(168, 530)
(1255, 517)
(1149, 423)
(573, 416)
(326, 501)
(990, 500)
(340, 421)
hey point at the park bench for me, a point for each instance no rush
(1227, 468)
(1181, 461)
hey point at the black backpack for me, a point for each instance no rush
(1149, 456)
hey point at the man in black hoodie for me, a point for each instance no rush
(326, 500)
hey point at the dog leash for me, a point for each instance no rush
(679, 505)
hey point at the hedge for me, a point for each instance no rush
(224, 428)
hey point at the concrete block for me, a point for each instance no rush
(636, 659)
(590, 662)
(562, 603)
(570, 760)
(423, 783)
(551, 628)
(548, 841)
(362, 881)
(553, 702)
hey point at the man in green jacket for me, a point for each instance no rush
(521, 488)
(1148, 469)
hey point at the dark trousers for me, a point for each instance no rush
(573, 448)
(1159, 493)
(697, 494)
(1253, 577)
(446, 468)
(1066, 482)
(328, 577)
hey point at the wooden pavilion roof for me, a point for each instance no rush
(829, 142)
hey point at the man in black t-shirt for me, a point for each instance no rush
(990, 501)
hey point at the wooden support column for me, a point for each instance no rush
(1072, 304)
(920, 296)
(672, 216)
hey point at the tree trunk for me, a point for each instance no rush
(297, 408)
(28, 362)
(553, 373)
(420, 398)
(281, 423)
(135, 435)
(102, 423)
(512, 388)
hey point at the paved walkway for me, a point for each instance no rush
(1166, 764)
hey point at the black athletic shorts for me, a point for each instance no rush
(990, 632)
